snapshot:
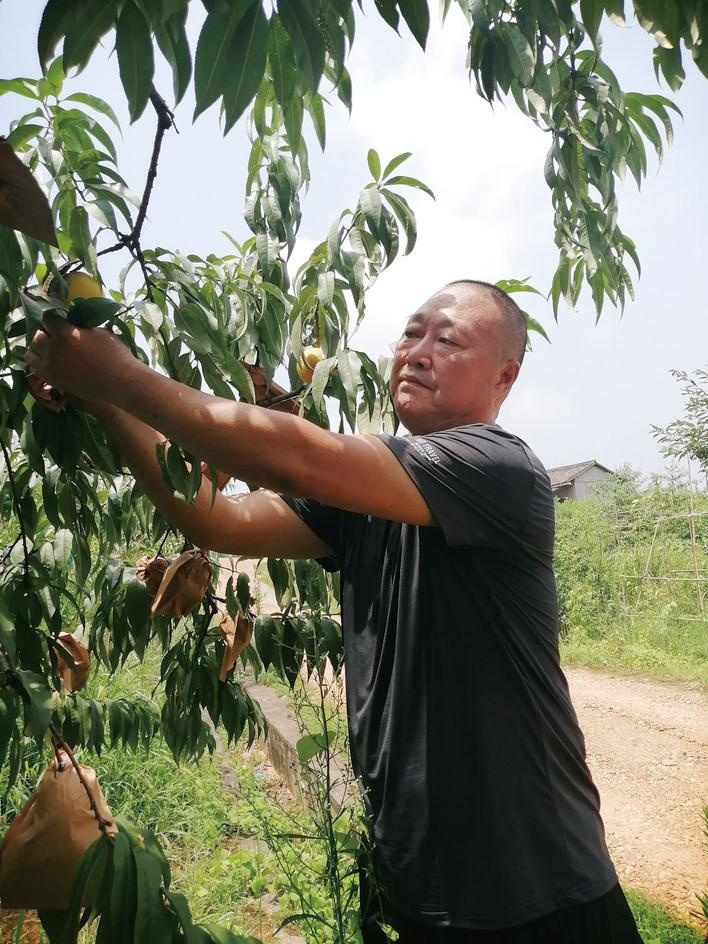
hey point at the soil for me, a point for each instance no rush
(646, 747)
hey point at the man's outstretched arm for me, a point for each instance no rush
(256, 524)
(273, 450)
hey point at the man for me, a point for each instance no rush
(485, 819)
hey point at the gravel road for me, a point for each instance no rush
(646, 746)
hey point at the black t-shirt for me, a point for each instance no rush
(461, 726)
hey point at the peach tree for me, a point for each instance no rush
(70, 511)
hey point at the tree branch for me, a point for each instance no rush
(165, 121)
(103, 824)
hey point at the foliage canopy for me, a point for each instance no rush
(71, 517)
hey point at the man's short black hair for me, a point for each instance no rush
(513, 315)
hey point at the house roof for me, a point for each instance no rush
(567, 474)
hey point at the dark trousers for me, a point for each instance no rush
(605, 920)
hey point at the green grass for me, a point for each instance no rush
(639, 647)
(625, 568)
(658, 926)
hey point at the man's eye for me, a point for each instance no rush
(444, 340)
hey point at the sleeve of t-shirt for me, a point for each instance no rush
(324, 521)
(476, 480)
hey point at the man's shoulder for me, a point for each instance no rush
(496, 441)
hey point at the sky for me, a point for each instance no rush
(596, 389)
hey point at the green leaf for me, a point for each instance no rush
(388, 12)
(212, 62)
(92, 312)
(243, 591)
(123, 891)
(172, 39)
(293, 115)
(22, 134)
(352, 264)
(320, 379)
(96, 103)
(332, 633)
(11, 263)
(20, 87)
(521, 57)
(510, 286)
(248, 57)
(349, 369)
(267, 250)
(668, 62)
(315, 107)
(233, 607)
(406, 217)
(90, 870)
(311, 745)
(403, 181)
(417, 16)
(374, 162)
(55, 19)
(536, 326)
(308, 44)
(54, 77)
(265, 634)
(84, 29)
(591, 14)
(63, 542)
(40, 700)
(54, 922)
(282, 61)
(219, 935)
(325, 287)
(153, 922)
(135, 58)
(280, 578)
(395, 162)
(657, 104)
(370, 203)
(34, 309)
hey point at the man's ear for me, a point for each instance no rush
(508, 375)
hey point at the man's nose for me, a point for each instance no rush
(418, 353)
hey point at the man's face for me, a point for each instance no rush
(451, 367)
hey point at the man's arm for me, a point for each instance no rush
(277, 451)
(256, 524)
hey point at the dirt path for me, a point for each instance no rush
(646, 745)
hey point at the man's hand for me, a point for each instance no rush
(90, 364)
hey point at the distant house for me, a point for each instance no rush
(578, 481)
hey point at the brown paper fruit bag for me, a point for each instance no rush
(236, 636)
(73, 679)
(185, 582)
(41, 850)
(151, 570)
